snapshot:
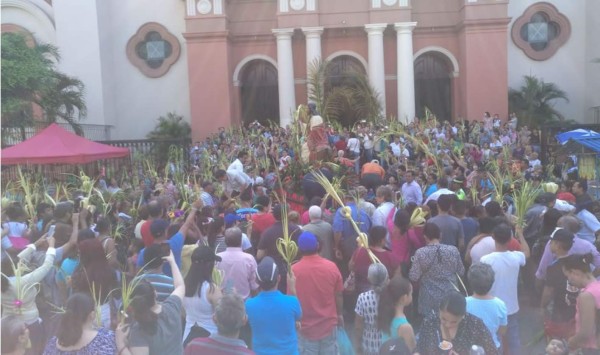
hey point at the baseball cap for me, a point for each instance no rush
(230, 219)
(158, 228)
(204, 253)
(307, 242)
(562, 235)
(266, 271)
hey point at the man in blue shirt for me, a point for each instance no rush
(344, 235)
(160, 231)
(272, 315)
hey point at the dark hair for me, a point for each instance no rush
(493, 209)
(242, 153)
(154, 209)
(142, 301)
(402, 221)
(550, 220)
(103, 225)
(459, 207)
(263, 202)
(431, 231)
(454, 303)
(376, 235)
(220, 173)
(85, 234)
(487, 225)
(481, 278)
(442, 182)
(93, 269)
(502, 233)
(583, 183)
(578, 262)
(78, 308)
(200, 271)
(153, 257)
(214, 228)
(12, 328)
(398, 287)
(41, 208)
(444, 202)
(143, 213)
(433, 208)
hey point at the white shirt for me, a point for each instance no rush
(482, 248)
(236, 181)
(380, 218)
(395, 148)
(506, 267)
(434, 196)
(589, 226)
(236, 165)
(353, 145)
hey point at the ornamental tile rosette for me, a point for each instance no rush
(153, 49)
(553, 31)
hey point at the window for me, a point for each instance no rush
(541, 31)
(153, 49)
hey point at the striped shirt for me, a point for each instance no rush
(162, 283)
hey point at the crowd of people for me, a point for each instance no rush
(453, 264)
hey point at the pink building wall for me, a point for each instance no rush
(475, 34)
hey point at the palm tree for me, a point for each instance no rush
(352, 100)
(534, 102)
(30, 79)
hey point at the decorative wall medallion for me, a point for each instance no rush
(541, 31)
(153, 49)
(297, 4)
(390, 2)
(204, 7)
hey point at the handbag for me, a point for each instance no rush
(350, 283)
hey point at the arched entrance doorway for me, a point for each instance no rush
(259, 92)
(433, 85)
(343, 72)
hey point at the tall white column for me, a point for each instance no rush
(285, 75)
(406, 71)
(376, 62)
(313, 47)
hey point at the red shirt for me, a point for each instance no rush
(147, 237)
(362, 261)
(261, 222)
(318, 280)
(340, 145)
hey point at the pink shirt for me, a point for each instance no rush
(594, 289)
(239, 270)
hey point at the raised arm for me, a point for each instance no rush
(191, 218)
(38, 274)
(178, 284)
(73, 238)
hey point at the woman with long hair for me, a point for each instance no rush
(77, 331)
(391, 318)
(215, 236)
(577, 269)
(95, 277)
(436, 267)
(156, 327)
(103, 227)
(405, 239)
(201, 295)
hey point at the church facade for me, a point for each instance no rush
(228, 62)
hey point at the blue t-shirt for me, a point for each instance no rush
(176, 243)
(272, 317)
(67, 268)
(492, 312)
(396, 323)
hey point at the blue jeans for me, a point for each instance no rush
(325, 346)
(512, 340)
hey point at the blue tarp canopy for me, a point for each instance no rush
(576, 134)
(592, 143)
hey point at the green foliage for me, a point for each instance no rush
(29, 78)
(171, 126)
(534, 102)
(348, 103)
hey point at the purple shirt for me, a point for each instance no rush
(239, 270)
(580, 247)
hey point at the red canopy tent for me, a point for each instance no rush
(55, 145)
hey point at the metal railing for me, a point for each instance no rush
(16, 135)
